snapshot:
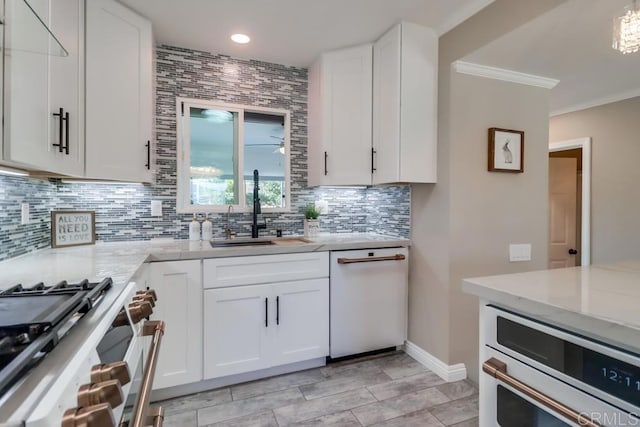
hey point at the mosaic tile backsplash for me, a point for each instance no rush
(123, 212)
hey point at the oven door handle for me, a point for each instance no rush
(142, 414)
(498, 369)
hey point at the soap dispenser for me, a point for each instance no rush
(194, 229)
(207, 229)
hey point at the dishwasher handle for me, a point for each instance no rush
(396, 257)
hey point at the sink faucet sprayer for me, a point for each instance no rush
(256, 206)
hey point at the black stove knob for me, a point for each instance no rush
(111, 371)
(93, 416)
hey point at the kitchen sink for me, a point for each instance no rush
(232, 243)
(291, 241)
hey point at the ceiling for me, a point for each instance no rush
(292, 32)
(571, 43)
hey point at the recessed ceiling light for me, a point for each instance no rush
(241, 38)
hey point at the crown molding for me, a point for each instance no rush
(461, 15)
(596, 102)
(504, 75)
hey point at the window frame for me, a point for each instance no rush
(183, 156)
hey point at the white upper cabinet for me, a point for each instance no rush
(41, 82)
(119, 86)
(340, 96)
(405, 67)
(373, 115)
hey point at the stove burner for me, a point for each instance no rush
(33, 319)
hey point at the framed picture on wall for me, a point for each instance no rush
(506, 150)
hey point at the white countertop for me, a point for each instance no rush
(601, 301)
(120, 260)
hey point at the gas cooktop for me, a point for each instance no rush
(34, 319)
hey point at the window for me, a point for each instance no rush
(219, 147)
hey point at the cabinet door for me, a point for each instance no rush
(39, 81)
(386, 107)
(340, 100)
(301, 320)
(119, 92)
(179, 289)
(236, 330)
(405, 70)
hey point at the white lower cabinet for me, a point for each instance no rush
(235, 332)
(302, 321)
(257, 326)
(247, 328)
(178, 285)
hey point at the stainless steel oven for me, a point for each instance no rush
(539, 375)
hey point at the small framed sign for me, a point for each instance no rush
(506, 150)
(72, 228)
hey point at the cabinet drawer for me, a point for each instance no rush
(251, 270)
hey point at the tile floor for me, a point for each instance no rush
(391, 390)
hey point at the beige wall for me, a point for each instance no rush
(490, 210)
(448, 241)
(615, 179)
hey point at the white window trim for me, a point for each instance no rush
(183, 152)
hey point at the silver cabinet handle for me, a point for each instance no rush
(498, 369)
(396, 257)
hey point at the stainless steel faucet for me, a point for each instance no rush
(228, 232)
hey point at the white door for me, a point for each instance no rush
(67, 87)
(301, 320)
(562, 212)
(341, 135)
(119, 92)
(39, 82)
(236, 330)
(178, 286)
(386, 106)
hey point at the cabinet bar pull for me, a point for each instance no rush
(155, 328)
(277, 310)
(396, 257)
(66, 130)
(325, 163)
(373, 153)
(60, 144)
(148, 165)
(266, 312)
(498, 370)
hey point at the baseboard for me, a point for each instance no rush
(206, 385)
(449, 373)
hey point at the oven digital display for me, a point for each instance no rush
(611, 375)
(598, 370)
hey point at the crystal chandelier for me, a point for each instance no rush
(626, 30)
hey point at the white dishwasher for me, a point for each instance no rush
(368, 294)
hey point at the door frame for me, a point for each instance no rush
(585, 231)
